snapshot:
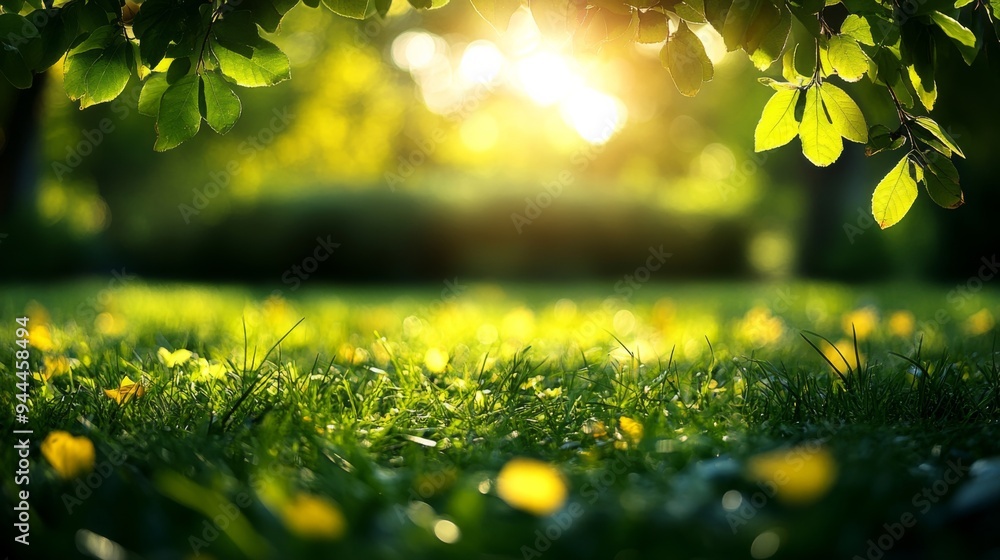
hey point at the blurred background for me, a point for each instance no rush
(430, 146)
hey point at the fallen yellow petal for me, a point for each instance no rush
(799, 475)
(176, 358)
(632, 429)
(69, 455)
(532, 485)
(125, 391)
(314, 517)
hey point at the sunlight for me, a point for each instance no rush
(594, 115)
(546, 78)
(522, 36)
(481, 62)
(414, 50)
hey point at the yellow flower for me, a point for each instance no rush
(175, 358)
(861, 321)
(799, 475)
(632, 429)
(551, 393)
(901, 324)
(53, 367)
(207, 371)
(842, 347)
(71, 456)
(125, 391)
(314, 517)
(760, 327)
(41, 337)
(436, 360)
(980, 322)
(531, 485)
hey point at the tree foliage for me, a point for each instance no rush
(191, 53)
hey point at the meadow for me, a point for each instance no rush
(474, 420)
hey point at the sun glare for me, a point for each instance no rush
(546, 78)
(414, 50)
(520, 61)
(481, 62)
(595, 116)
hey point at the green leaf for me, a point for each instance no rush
(845, 113)
(929, 140)
(221, 106)
(858, 28)
(42, 46)
(652, 27)
(13, 68)
(805, 11)
(246, 58)
(747, 22)
(880, 138)
(691, 10)
(775, 84)
(920, 58)
(602, 26)
(716, 12)
(497, 12)
(924, 86)
(158, 23)
(179, 68)
(152, 91)
(847, 58)
(98, 39)
(684, 56)
(941, 181)
(553, 17)
(769, 48)
(777, 125)
(269, 13)
(179, 117)
(935, 129)
(964, 39)
(821, 143)
(788, 69)
(96, 76)
(12, 6)
(895, 193)
(354, 9)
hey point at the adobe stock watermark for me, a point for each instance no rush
(740, 509)
(579, 161)
(449, 294)
(625, 289)
(230, 512)
(90, 308)
(219, 180)
(749, 167)
(922, 502)
(91, 138)
(562, 521)
(298, 273)
(85, 486)
(958, 298)
(408, 163)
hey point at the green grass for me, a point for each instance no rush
(400, 407)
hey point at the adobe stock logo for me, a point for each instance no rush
(922, 502)
(300, 272)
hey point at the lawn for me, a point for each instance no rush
(529, 421)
